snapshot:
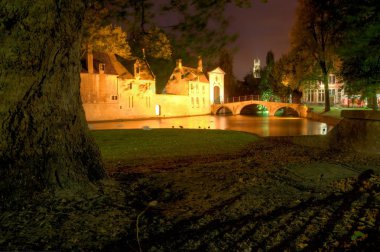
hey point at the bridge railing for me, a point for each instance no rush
(253, 98)
(242, 98)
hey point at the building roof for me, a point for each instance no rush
(181, 76)
(146, 72)
(187, 74)
(112, 65)
(217, 70)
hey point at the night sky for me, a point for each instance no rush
(261, 28)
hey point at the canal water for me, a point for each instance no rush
(262, 126)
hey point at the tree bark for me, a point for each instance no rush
(325, 84)
(44, 140)
(373, 99)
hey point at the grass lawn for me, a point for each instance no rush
(334, 111)
(144, 145)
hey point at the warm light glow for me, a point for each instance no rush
(285, 81)
(158, 110)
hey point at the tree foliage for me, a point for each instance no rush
(226, 64)
(359, 47)
(109, 39)
(201, 28)
(268, 81)
(315, 34)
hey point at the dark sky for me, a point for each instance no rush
(264, 27)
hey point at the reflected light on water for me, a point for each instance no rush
(262, 126)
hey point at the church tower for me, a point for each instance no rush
(256, 68)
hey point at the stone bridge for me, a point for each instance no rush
(236, 107)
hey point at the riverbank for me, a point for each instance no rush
(273, 195)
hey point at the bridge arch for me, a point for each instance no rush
(222, 110)
(253, 109)
(286, 111)
(272, 107)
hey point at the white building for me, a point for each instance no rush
(113, 91)
(315, 92)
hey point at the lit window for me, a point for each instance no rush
(321, 95)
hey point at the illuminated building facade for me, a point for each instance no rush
(111, 90)
(315, 94)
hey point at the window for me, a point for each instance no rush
(332, 79)
(197, 102)
(197, 88)
(130, 101)
(114, 97)
(203, 101)
(321, 95)
(129, 85)
(192, 102)
(310, 96)
(203, 89)
(307, 95)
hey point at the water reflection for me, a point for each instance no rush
(262, 126)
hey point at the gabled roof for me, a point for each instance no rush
(145, 71)
(217, 70)
(112, 65)
(188, 74)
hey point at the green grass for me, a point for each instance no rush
(334, 111)
(133, 145)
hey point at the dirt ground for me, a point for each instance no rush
(276, 196)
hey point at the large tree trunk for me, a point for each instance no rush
(44, 141)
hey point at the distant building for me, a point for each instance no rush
(111, 90)
(256, 68)
(315, 94)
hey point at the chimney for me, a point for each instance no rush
(200, 64)
(143, 52)
(137, 69)
(90, 61)
(179, 64)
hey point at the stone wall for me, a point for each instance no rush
(321, 118)
(359, 131)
